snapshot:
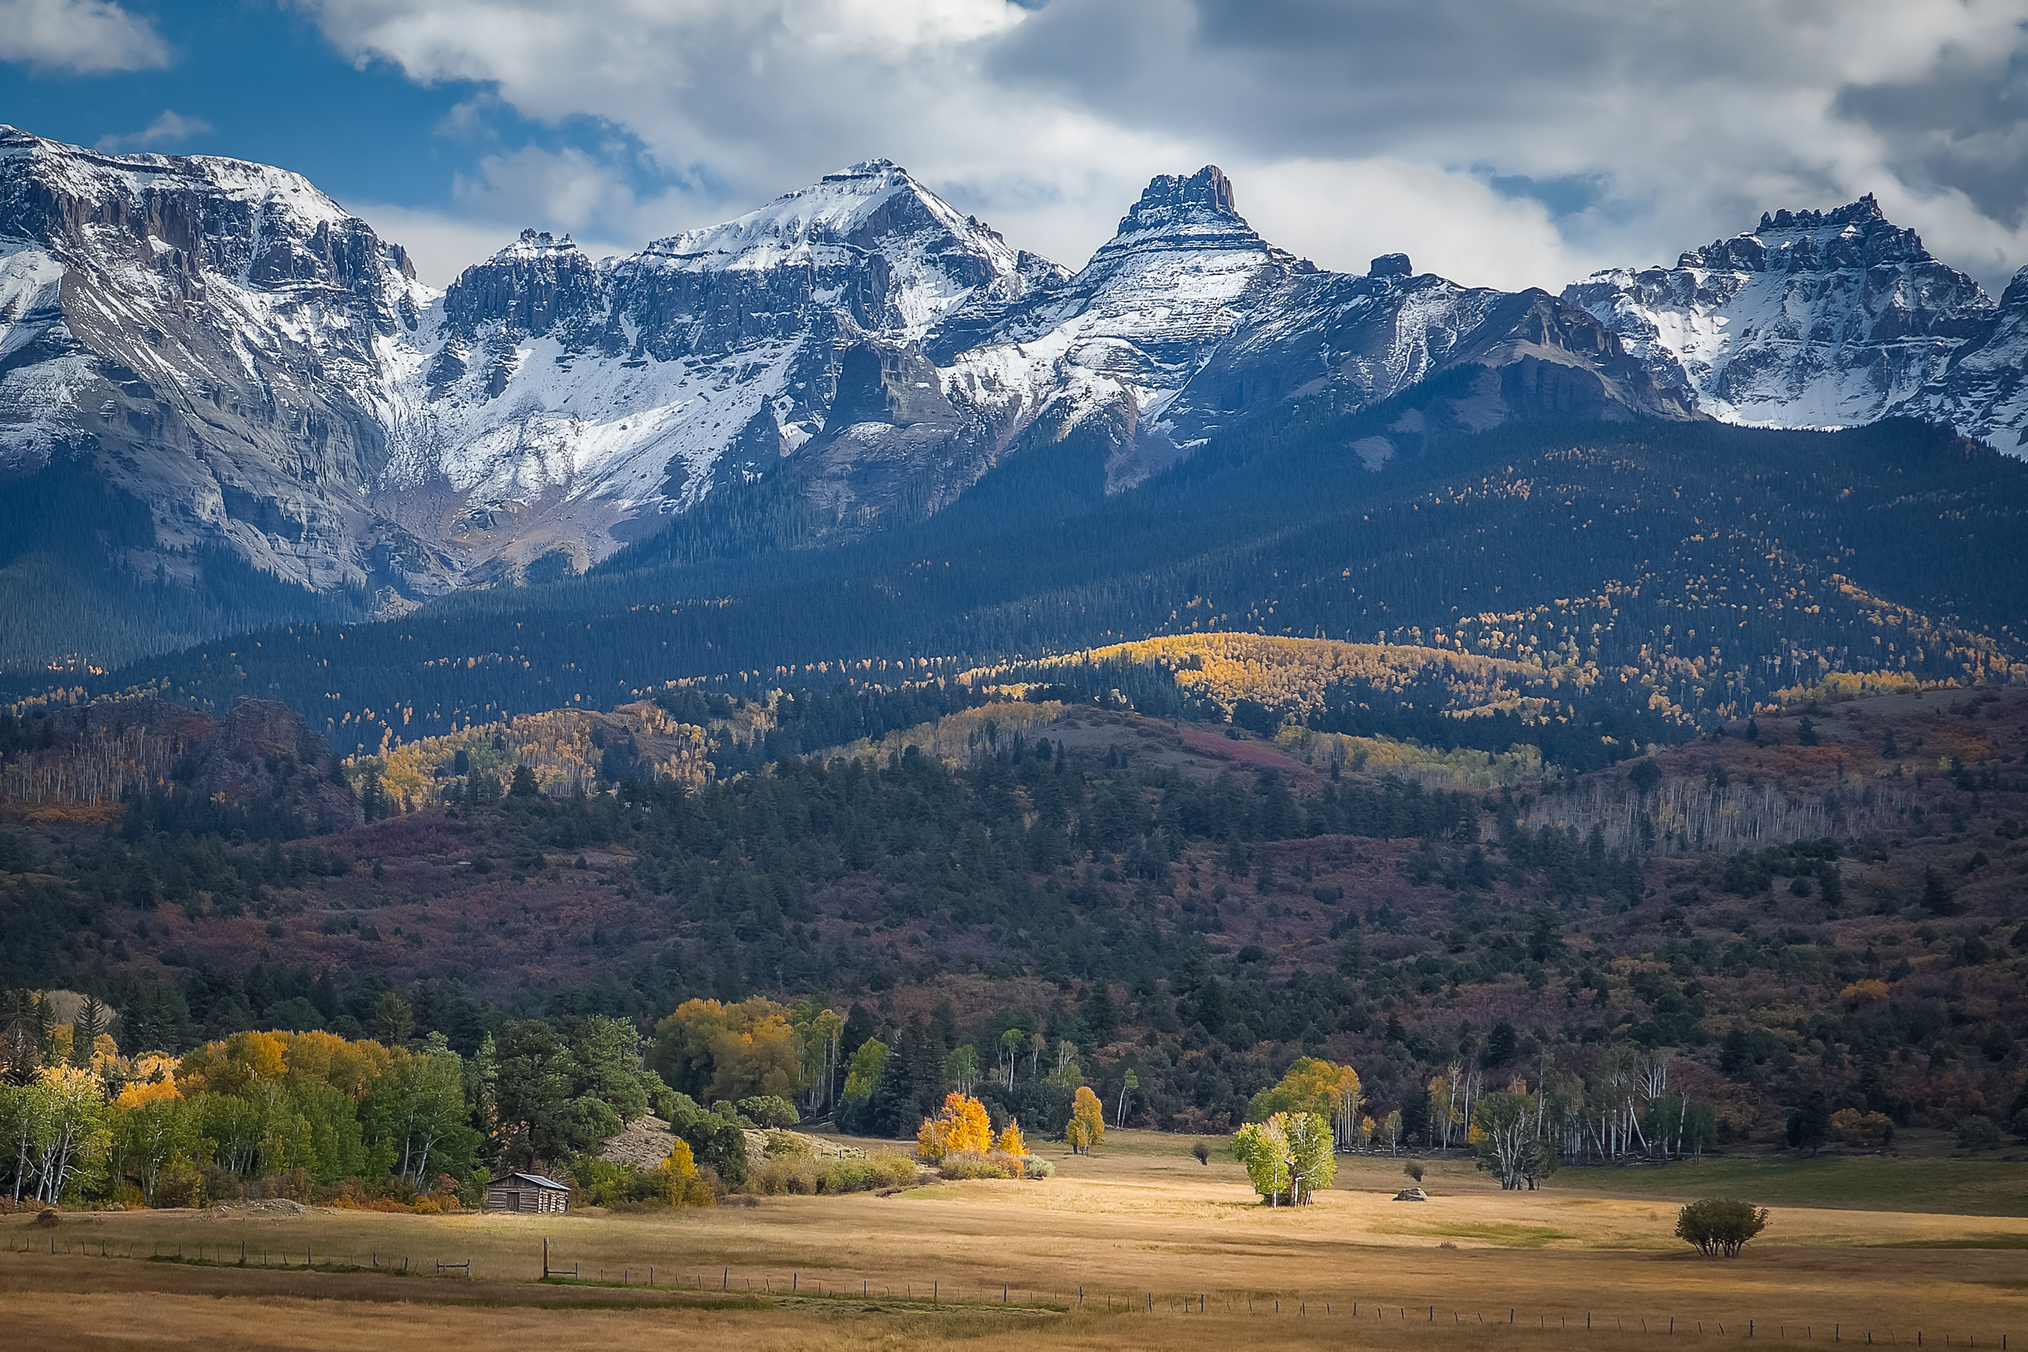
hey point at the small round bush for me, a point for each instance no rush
(1718, 1225)
(769, 1110)
(1977, 1132)
(1036, 1167)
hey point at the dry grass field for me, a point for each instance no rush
(1140, 1221)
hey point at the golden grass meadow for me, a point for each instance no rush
(1137, 1246)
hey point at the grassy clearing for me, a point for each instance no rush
(1501, 1236)
(1950, 1186)
(1139, 1220)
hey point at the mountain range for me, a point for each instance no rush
(218, 383)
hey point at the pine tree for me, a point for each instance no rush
(92, 1020)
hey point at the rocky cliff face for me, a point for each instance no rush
(1815, 319)
(1983, 389)
(213, 337)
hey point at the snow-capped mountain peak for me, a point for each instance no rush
(1817, 318)
(535, 243)
(936, 257)
(634, 386)
(1983, 391)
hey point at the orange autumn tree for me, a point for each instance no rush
(961, 1126)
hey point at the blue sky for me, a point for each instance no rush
(1511, 145)
(266, 85)
(259, 81)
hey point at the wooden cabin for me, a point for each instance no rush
(526, 1192)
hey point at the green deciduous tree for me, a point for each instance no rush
(1507, 1139)
(1720, 1226)
(1288, 1157)
(1263, 1148)
(147, 1137)
(415, 1119)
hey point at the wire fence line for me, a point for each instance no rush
(238, 1254)
(724, 1280)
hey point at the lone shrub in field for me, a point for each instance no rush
(1977, 1132)
(1202, 1150)
(1718, 1225)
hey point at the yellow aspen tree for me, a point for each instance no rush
(1011, 1140)
(1087, 1117)
(962, 1126)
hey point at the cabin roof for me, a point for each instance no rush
(537, 1179)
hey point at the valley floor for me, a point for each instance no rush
(1139, 1224)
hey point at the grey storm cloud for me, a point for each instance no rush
(1964, 127)
(1506, 143)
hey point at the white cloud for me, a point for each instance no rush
(85, 37)
(166, 132)
(1349, 126)
(1343, 214)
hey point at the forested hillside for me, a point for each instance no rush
(73, 607)
(1683, 570)
(1814, 908)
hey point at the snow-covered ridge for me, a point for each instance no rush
(1815, 319)
(232, 348)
